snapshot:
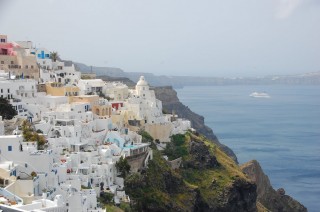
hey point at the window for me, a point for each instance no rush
(1, 90)
(10, 148)
(27, 67)
(11, 62)
(3, 40)
(47, 55)
(31, 67)
(8, 90)
(2, 62)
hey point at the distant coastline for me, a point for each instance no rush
(178, 82)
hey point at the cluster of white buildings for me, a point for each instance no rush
(88, 125)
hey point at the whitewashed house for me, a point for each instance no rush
(91, 86)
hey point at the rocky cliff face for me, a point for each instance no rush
(171, 103)
(267, 196)
(208, 180)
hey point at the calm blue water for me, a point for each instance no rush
(282, 132)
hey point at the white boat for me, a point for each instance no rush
(259, 95)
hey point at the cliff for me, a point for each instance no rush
(271, 199)
(172, 104)
(208, 180)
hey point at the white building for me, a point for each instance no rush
(43, 57)
(18, 89)
(91, 86)
(82, 146)
(116, 91)
(144, 103)
(66, 75)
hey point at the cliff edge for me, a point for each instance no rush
(271, 199)
(207, 180)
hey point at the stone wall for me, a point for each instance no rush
(175, 164)
(162, 132)
(137, 161)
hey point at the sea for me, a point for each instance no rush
(281, 132)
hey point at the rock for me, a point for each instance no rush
(240, 196)
(281, 191)
(267, 196)
(200, 157)
(173, 183)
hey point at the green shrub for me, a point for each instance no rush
(106, 197)
(177, 147)
(123, 166)
(146, 137)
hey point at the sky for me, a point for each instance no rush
(229, 38)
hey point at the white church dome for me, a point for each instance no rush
(142, 82)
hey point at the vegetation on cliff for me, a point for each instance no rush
(207, 180)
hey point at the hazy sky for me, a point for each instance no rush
(174, 37)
